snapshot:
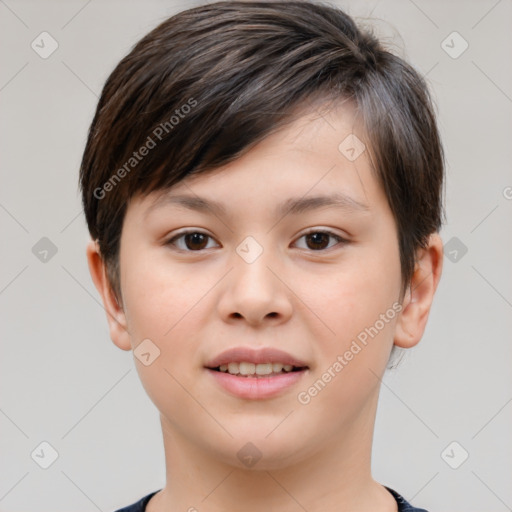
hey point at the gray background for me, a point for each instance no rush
(64, 382)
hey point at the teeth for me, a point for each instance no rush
(233, 368)
(277, 367)
(245, 368)
(264, 369)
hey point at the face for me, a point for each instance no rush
(319, 281)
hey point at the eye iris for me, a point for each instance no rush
(195, 238)
(315, 240)
(318, 238)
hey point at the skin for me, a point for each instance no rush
(308, 298)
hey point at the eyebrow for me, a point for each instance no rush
(294, 205)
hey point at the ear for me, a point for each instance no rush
(115, 315)
(418, 299)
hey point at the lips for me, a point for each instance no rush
(255, 356)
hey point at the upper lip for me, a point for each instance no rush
(250, 355)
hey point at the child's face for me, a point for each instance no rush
(308, 296)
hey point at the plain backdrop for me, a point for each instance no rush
(443, 427)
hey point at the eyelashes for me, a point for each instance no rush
(195, 236)
(325, 235)
(198, 240)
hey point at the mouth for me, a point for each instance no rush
(256, 374)
(257, 370)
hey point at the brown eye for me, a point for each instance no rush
(196, 241)
(319, 240)
(191, 241)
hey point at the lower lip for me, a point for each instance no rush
(256, 388)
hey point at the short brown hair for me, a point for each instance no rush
(207, 84)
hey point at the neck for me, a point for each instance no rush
(335, 478)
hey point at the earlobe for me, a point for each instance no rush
(412, 321)
(116, 317)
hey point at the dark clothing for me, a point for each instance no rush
(403, 505)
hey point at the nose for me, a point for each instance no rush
(255, 292)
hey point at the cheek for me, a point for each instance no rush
(161, 305)
(352, 295)
(357, 304)
(156, 292)
(169, 304)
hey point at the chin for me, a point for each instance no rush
(260, 453)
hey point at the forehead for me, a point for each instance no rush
(320, 152)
